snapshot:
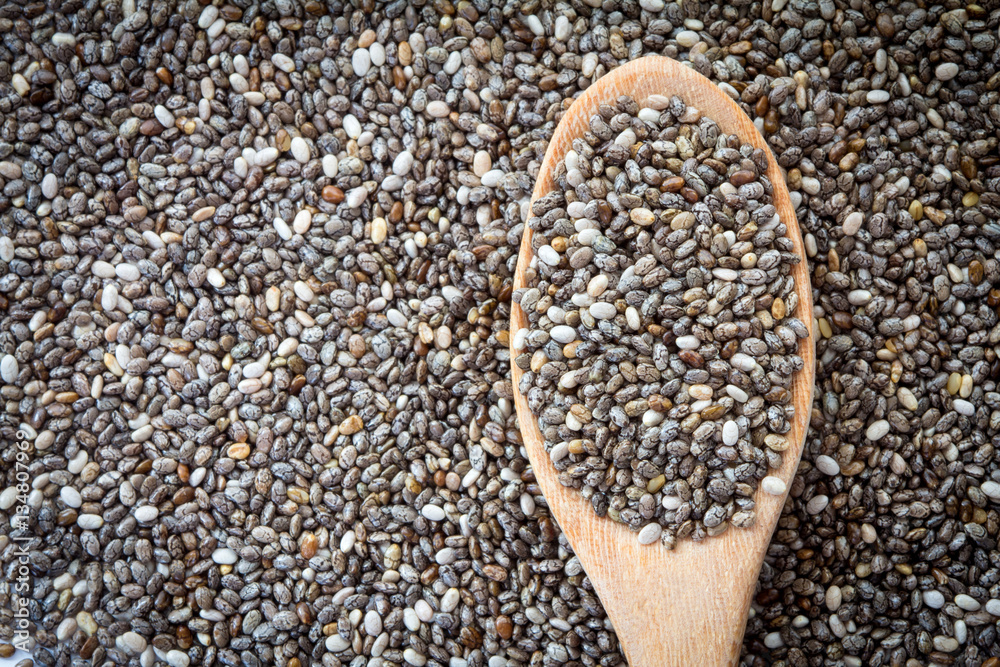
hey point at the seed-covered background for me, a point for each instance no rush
(255, 268)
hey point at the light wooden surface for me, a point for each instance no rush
(685, 607)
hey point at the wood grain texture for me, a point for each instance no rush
(685, 607)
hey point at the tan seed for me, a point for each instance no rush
(238, 451)
(351, 425)
(203, 213)
(379, 230)
(309, 545)
(405, 53)
(778, 308)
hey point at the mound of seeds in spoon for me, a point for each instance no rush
(660, 349)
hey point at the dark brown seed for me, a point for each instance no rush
(333, 194)
(262, 325)
(885, 25)
(976, 272)
(88, 647)
(672, 184)
(505, 628)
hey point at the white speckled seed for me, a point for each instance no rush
(563, 334)
(991, 489)
(946, 71)
(8, 368)
(852, 223)
(933, 599)
(433, 512)
(967, 602)
(437, 109)
(146, 513)
(300, 150)
(50, 186)
(361, 61)
(730, 433)
(827, 465)
(877, 96)
(403, 163)
(224, 556)
(964, 407)
(817, 504)
(772, 485)
(70, 496)
(603, 310)
(878, 429)
(650, 533)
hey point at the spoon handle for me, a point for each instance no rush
(675, 611)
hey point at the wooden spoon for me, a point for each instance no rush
(687, 606)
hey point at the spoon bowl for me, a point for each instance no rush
(686, 606)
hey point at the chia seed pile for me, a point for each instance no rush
(660, 352)
(255, 279)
